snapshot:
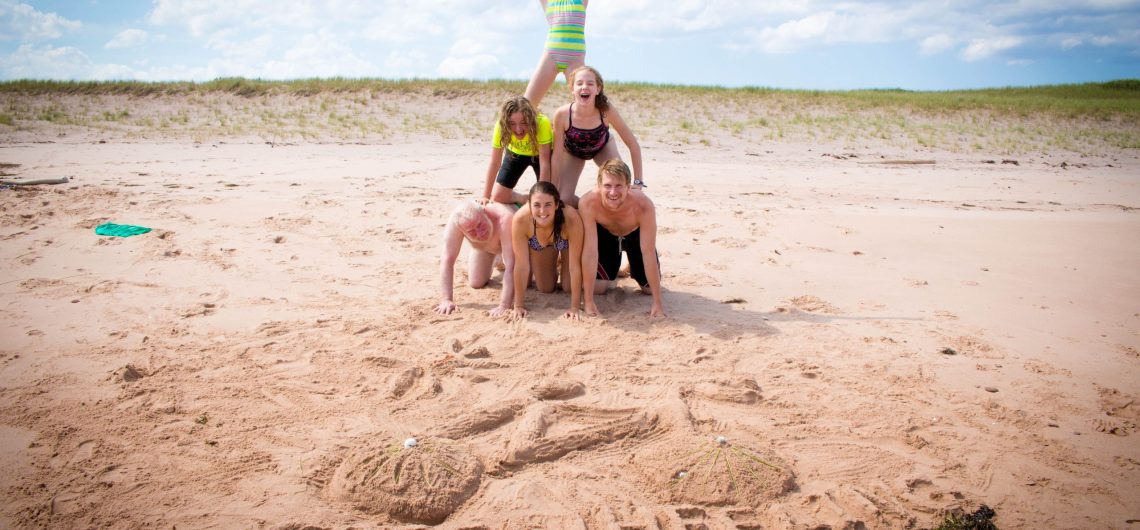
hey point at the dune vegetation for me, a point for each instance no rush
(1091, 118)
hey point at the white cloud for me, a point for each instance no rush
(67, 63)
(320, 54)
(936, 44)
(1069, 43)
(985, 47)
(25, 23)
(127, 38)
(479, 66)
(472, 57)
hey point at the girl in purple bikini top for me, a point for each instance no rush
(585, 143)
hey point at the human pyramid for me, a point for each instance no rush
(551, 235)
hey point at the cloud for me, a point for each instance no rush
(982, 48)
(471, 58)
(936, 44)
(25, 23)
(67, 63)
(320, 54)
(128, 38)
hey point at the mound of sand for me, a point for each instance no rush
(712, 471)
(422, 484)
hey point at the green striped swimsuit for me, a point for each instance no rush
(566, 41)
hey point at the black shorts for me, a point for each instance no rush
(610, 248)
(513, 167)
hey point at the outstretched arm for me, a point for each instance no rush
(452, 241)
(589, 256)
(521, 257)
(573, 229)
(492, 171)
(545, 171)
(648, 222)
(630, 141)
(505, 231)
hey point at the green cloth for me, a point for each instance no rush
(111, 229)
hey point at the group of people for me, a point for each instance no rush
(551, 236)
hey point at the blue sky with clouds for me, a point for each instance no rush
(916, 45)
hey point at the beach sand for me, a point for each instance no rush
(877, 343)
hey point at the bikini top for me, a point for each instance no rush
(559, 244)
(585, 143)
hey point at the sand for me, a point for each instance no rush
(875, 344)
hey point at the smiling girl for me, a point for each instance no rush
(540, 231)
(582, 132)
(521, 139)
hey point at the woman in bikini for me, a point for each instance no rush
(565, 45)
(582, 132)
(541, 230)
(525, 135)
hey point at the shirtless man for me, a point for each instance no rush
(488, 230)
(617, 218)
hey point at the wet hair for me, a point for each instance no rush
(601, 102)
(549, 188)
(521, 105)
(615, 167)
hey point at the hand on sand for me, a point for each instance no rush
(446, 307)
(499, 311)
(573, 314)
(517, 314)
(657, 311)
(484, 200)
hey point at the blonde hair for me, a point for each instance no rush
(601, 102)
(615, 167)
(521, 105)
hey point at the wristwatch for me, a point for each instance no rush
(638, 182)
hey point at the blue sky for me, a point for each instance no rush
(915, 45)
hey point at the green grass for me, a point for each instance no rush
(1086, 118)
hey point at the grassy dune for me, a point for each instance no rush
(1085, 119)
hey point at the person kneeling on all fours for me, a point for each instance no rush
(616, 218)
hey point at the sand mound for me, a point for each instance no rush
(422, 484)
(703, 470)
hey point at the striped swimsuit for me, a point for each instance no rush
(566, 41)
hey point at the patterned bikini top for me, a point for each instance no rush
(585, 143)
(560, 244)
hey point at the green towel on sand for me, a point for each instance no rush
(111, 229)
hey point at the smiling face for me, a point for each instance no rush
(613, 190)
(542, 208)
(478, 229)
(586, 86)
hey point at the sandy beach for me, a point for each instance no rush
(861, 333)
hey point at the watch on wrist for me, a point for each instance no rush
(638, 182)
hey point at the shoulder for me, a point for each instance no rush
(645, 204)
(588, 203)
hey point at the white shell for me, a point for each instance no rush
(681, 474)
(721, 440)
(410, 442)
